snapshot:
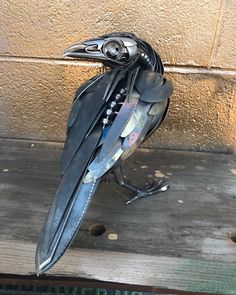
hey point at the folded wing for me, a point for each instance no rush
(91, 149)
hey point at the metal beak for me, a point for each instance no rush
(90, 49)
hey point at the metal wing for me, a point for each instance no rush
(141, 113)
(126, 133)
(73, 195)
(87, 108)
(155, 89)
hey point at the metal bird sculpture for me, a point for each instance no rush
(112, 114)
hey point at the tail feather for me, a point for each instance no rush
(69, 205)
(48, 254)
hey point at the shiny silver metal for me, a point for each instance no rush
(112, 114)
(117, 50)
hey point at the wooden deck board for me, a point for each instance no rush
(179, 239)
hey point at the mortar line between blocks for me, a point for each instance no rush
(179, 69)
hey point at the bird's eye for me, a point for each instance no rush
(113, 49)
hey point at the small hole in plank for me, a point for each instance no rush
(233, 237)
(97, 229)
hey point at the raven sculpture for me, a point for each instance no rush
(112, 114)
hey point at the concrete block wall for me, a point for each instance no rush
(195, 39)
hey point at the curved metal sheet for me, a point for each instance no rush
(158, 108)
(136, 137)
(62, 207)
(120, 122)
(140, 108)
(101, 165)
(158, 120)
(153, 87)
(52, 245)
(89, 107)
(77, 105)
(158, 94)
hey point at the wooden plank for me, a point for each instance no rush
(172, 239)
(138, 269)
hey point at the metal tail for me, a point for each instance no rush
(53, 243)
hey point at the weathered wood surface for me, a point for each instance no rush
(179, 239)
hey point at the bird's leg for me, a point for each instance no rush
(150, 189)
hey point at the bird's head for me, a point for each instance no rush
(115, 49)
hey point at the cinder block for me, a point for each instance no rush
(202, 114)
(225, 49)
(35, 99)
(182, 31)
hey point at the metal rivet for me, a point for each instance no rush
(108, 112)
(112, 104)
(105, 121)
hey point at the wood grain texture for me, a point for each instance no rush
(179, 239)
(158, 271)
